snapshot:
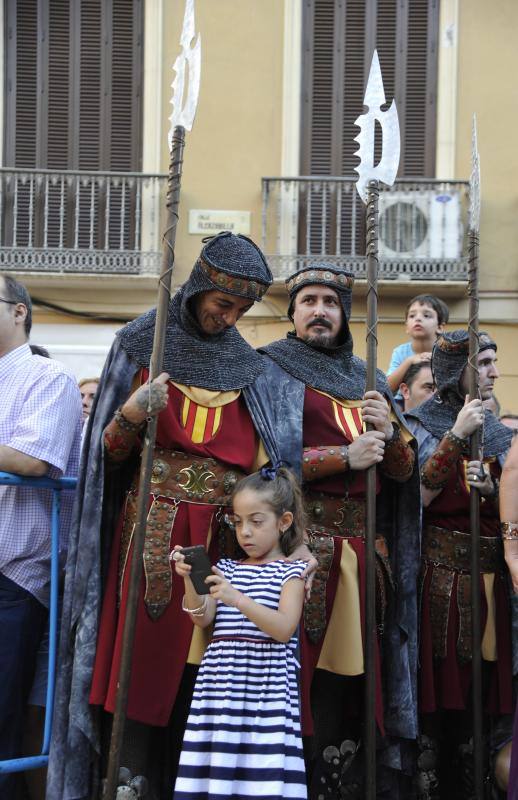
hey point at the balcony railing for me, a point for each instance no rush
(421, 230)
(82, 222)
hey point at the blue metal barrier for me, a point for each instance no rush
(57, 486)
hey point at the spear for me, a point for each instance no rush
(475, 455)
(368, 189)
(181, 119)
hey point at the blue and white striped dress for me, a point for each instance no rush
(243, 733)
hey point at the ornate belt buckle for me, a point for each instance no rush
(349, 517)
(197, 476)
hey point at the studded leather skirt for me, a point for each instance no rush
(176, 477)
(449, 553)
(342, 517)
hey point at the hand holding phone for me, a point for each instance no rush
(199, 561)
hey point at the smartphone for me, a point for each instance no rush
(197, 557)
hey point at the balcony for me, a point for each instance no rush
(81, 222)
(422, 227)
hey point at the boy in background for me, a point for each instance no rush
(425, 318)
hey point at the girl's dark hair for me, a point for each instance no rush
(282, 492)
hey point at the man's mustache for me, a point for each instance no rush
(321, 322)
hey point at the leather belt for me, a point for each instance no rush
(338, 516)
(195, 479)
(453, 549)
(176, 477)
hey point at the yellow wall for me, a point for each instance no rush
(488, 68)
(236, 138)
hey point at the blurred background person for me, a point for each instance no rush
(88, 388)
(418, 385)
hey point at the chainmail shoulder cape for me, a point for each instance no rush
(336, 371)
(438, 416)
(219, 362)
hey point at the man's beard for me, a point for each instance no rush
(324, 339)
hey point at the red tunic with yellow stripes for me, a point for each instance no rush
(162, 644)
(338, 499)
(445, 642)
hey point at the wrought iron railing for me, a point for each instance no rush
(421, 233)
(71, 221)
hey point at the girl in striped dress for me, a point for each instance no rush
(243, 733)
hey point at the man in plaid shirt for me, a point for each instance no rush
(40, 434)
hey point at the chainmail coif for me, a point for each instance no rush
(222, 361)
(335, 370)
(439, 413)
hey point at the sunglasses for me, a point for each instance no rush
(10, 302)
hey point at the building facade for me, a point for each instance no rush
(85, 109)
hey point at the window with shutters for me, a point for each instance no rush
(73, 102)
(339, 39)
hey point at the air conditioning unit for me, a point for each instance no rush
(420, 224)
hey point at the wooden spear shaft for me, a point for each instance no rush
(474, 515)
(164, 296)
(370, 532)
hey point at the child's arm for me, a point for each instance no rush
(280, 624)
(204, 606)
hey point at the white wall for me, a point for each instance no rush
(82, 348)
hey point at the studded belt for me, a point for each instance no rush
(453, 549)
(175, 477)
(338, 516)
(183, 476)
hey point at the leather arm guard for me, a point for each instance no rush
(436, 472)
(398, 458)
(120, 436)
(321, 462)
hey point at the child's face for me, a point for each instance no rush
(257, 526)
(422, 322)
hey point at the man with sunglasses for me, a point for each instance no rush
(40, 434)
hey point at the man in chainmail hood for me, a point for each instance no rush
(442, 426)
(317, 389)
(212, 429)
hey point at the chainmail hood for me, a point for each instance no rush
(450, 358)
(439, 413)
(335, 370)
(325, 275)
(220, 362)
(231, 264)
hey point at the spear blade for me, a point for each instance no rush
(187, 68)
(474, 182)
(386, 170)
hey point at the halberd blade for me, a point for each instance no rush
(474, 182)
(386, 169)
(188, 69)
